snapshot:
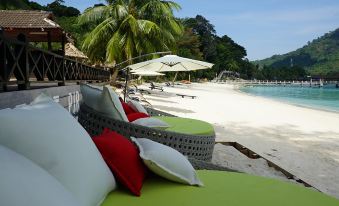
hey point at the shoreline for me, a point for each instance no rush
(303, 141)
(285, 101)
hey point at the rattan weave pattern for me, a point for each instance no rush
(154, 112)
(197, 147)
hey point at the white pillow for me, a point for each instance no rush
(24, 183)
(151, 122)
(166, 162)
(103, 100)
(136, 106)
(90, 95)
(47, 134)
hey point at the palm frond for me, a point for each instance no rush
(99, 37)
(114, 47)
(130, 28)
(94, 14)
(172, 5)
(119, 10)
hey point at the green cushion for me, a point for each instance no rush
(188, 126)
(222, 188)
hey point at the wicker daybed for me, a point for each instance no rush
(222, 185)
(199, 147)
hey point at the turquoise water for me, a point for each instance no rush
(319, 98)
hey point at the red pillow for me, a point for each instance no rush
(122, 157)
(128, 109)
(136, 115)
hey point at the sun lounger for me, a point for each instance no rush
(185, 95)
(168, 84)
(141, 90)
(153, 86)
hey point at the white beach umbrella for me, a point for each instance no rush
(146, 73)
(171, 63)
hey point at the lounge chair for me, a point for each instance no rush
(153, 86)
(185, 95)
(168, 84)
(141, 91)
(136, 94)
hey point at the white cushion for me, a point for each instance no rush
(151, 122)
(90, 95)
(136, 106)
(166, 162)
(24, 183)
(103, 100)
(47, 134)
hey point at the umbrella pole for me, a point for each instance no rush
(175, 77)
(126, 84)
(140, 80)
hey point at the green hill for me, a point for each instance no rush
(57, 7)
(319, 57)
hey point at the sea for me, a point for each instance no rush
(323, 98)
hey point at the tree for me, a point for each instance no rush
(35, 6)
(202, 27)
(188, 45)
(129, 28)
(13, 4)
(222, 51)
(60, 10)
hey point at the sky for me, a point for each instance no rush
(263, 27)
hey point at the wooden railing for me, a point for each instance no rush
(22, 64)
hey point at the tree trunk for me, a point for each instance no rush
(114, 75)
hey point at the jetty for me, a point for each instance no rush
(311, 83)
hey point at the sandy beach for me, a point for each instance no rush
(303, 141)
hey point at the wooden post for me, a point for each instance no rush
(49, 41)
(3, 67)
(63, 44)
(62, 83)
(23, 62)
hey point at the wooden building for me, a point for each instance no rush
(22, 63)
(36, 26)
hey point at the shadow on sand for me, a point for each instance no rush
(173, 109)
(311, 156)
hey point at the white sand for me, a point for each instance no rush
(303, 141)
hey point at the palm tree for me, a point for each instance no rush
(129, 28)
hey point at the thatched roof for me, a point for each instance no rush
(72, 51)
